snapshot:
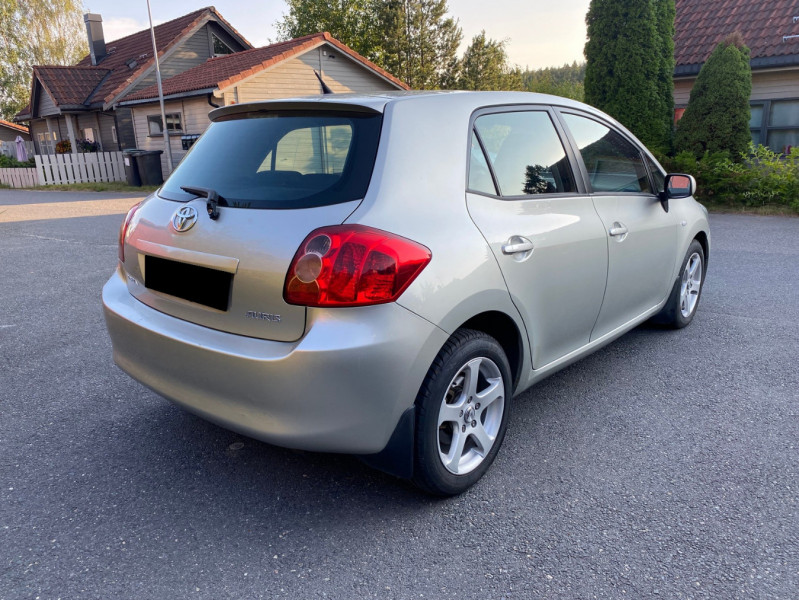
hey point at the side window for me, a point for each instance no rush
(526, 153)
(657, 175)
(613, 163)
(479, 176)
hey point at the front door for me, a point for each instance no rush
(641, 236)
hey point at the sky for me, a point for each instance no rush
(539, 33)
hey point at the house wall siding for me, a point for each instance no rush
(194, 51)
(46, 105)
(194, 119)
(296, 77)
(772, 85)
(10, 135)
(342, 74)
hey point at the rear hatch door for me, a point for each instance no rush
(279, 174)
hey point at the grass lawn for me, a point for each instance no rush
(767, 210)
(110, 186)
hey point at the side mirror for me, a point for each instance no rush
(677, 185)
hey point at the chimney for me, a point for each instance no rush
(94, 30)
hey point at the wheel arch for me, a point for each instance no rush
(703, 240)
(504, 329)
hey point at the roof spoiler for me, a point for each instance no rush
(313, 104)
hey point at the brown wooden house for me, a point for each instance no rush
(78, 102)
(771, 31)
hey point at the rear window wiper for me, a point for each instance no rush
(214, 200)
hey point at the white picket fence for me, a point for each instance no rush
(19, 178)
(79, 168)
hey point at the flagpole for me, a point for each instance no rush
(167, 145)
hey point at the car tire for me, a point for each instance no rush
(683, 301)
(462, 413)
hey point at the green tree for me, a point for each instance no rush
(564, 81)
(36, 32)
(626, 55)
(484, 66)
(717, 116)
(420, 42)
(665, 14)
(353, 22)
(414, 40)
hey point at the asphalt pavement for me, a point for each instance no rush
(663, 466)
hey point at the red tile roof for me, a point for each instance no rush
(138, 47)
(70, 85)
(90, 86)
(13, 126)
(223, 71)
(701, 24)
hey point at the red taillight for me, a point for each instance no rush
(123, 231)
(352, 265)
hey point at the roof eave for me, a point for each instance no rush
(176, 96)
(759, 63)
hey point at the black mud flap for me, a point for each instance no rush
(397, 457)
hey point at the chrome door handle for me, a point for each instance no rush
(516, 247)
(617, 229)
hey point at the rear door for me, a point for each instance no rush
(279, 175)
(541, 226)
(641, 236)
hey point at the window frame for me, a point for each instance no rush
(580, 188)
(157, 118)
(215, 38)
(643, 153)
(764, 129)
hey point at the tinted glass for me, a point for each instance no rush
(657, 175)
(526, 153)
(783, 140)
(282, 160)
(613, 163)
(479, 176)
(756, 116)
(784, 114)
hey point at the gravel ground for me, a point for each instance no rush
(663, 466)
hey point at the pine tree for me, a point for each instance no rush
(629, 56)
(414, 40)
(717, 116)
(420, 42)
(353, 22)
(484, 66)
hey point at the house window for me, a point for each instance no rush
(156, 127)
(47, 141)
(220, 47)
(775, 123)
(87, 134)
(114, 134)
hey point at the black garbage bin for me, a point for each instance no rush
(149, 162)
(132, 166)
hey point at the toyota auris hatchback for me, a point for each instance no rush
(380, 275)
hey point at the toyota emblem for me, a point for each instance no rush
(184, 219)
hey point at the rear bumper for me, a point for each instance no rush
(341, 388)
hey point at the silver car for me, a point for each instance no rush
(381, 275)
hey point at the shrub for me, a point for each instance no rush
(87, 146)
(9, 162)
(717, 116)
(758, 177)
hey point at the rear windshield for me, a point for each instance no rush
(281, 160)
